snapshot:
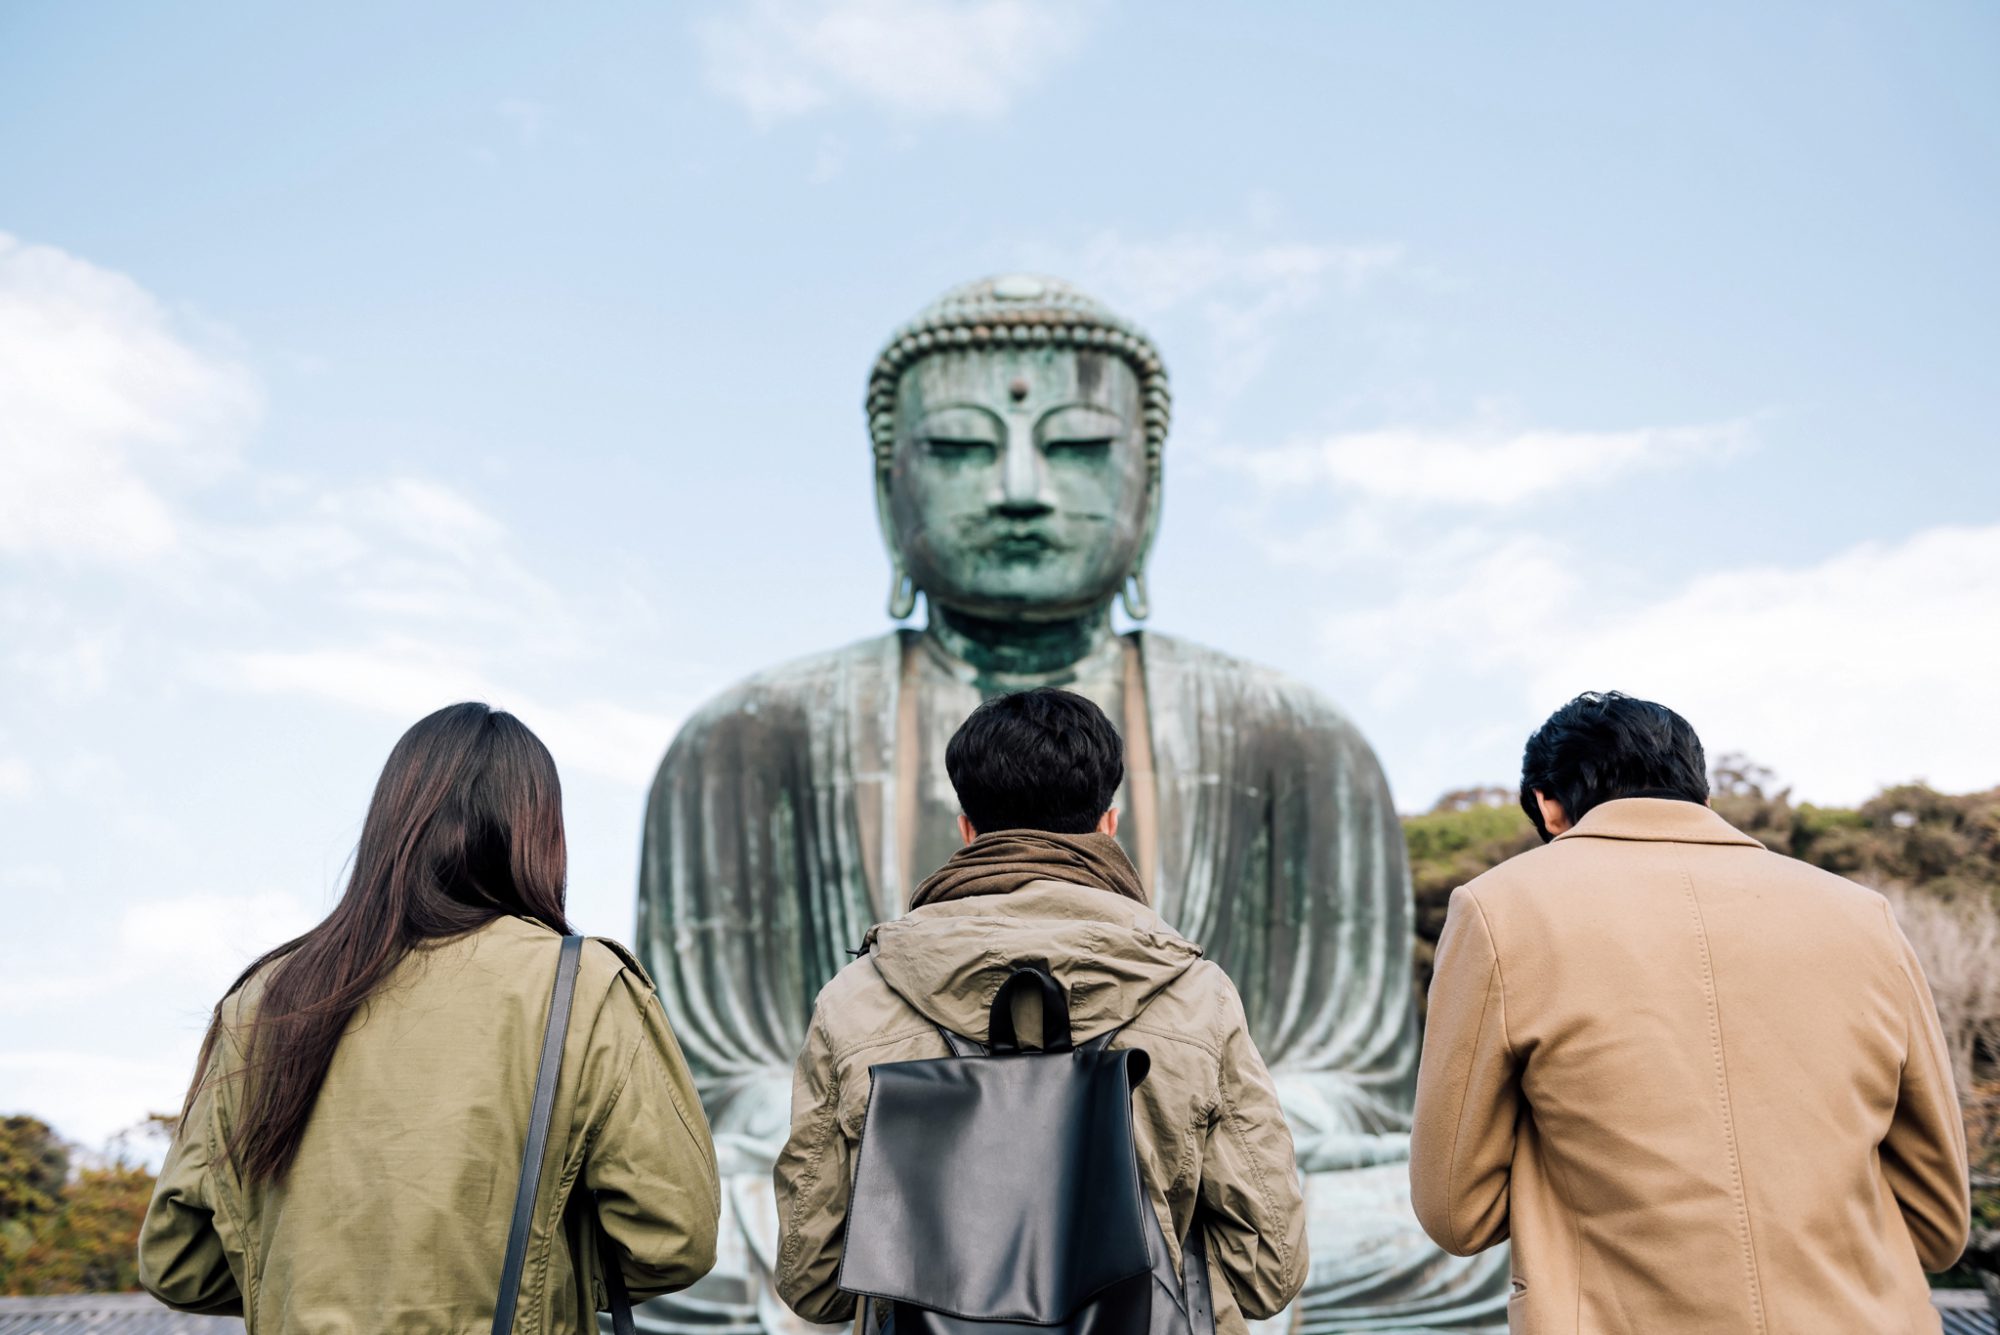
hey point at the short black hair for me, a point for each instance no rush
(1605, 745)
(1044, 759)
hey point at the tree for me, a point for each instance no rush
(1464, 834)
(67, 1228)
(1958, 943)
(34, 1164)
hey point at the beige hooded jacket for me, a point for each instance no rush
(1206, 1118)
(394, 1216)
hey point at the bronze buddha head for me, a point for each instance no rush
(1018, 428)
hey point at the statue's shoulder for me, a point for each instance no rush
(1282, 716)
(1256, 693)
(776, 707)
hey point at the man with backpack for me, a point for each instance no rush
(989, 1187)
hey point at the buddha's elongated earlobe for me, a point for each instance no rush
(1133, 596)
(902, 593)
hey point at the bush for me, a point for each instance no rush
(68, 1229)
(1463, 835)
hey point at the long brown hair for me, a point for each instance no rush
(465, 827)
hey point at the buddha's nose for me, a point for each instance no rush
(1024, 490)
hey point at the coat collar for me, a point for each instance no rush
(1657, 820)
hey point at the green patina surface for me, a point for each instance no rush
(1018, 432)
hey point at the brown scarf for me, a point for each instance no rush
(1004, 861)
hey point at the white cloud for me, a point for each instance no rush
(404, 558)
(1471, 600)
(106, 407)
(190, 945)
(89, 1097)
(17, 778)
(1236, 290)
(1147, 276)
(1868, 668)
(425, 512)
(403, 679)
(784, 58)
(159, 965)
(205, 940)
(1875, 666)
(1479, 468)
(75, 667)
(408, 679)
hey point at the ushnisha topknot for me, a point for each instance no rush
(1022, 310)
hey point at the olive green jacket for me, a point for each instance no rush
(394, 1216)
(1206, 1119)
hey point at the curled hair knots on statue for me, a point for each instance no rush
(1026, 311)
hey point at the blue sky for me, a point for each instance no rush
(361, 358)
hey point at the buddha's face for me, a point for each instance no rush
(1018, 485)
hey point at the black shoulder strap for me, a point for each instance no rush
(961, 1046)
(1055, 1020)
(1194, 1279)
(614, 1278)
(538, 1134)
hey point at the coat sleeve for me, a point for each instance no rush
(1251, 1204)
(1468, 1091)
(1924, 1155)
(182, 1261)
(651, 1162)
(813, 1182)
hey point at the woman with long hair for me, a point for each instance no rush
(348, 1152)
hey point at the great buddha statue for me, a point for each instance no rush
(1019, 430)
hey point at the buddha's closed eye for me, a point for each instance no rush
(959, 448)
(1078, 447)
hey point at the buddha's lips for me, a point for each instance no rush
(1023, 545)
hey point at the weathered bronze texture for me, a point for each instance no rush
(1019, 434)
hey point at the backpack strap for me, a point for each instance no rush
(1055, 1020)
(1194, 1279)
(1000, 1036)
(961, 1046)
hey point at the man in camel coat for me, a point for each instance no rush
(1702, 1086)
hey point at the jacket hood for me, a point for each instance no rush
(1111, 954)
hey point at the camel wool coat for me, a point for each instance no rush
(1701, 1085)
(395, 1214)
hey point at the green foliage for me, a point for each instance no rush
(91, 1244)
(1910, 835)
(33, 1166)
(1466, 833)
(64, 1231)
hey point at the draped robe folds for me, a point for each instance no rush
(782, 826)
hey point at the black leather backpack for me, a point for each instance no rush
(999, 1185)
